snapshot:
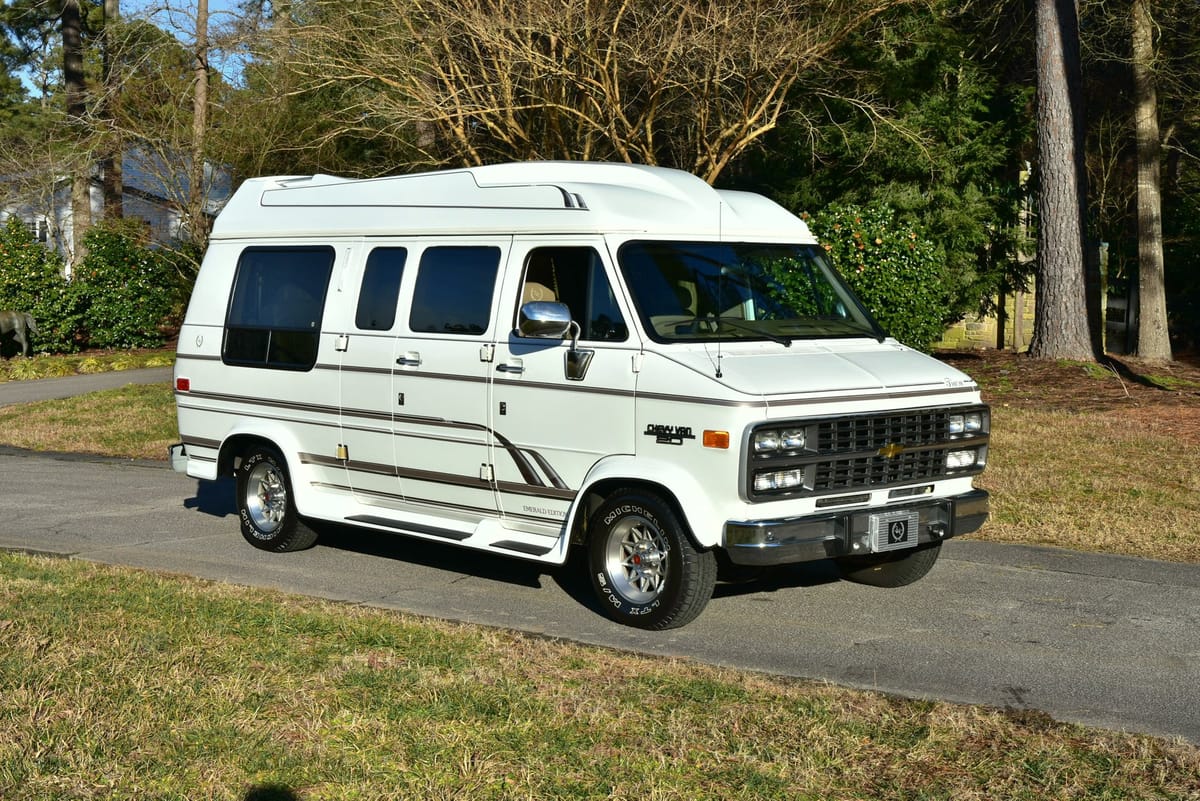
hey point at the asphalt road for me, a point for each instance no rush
(50, 388)
(1106, 641)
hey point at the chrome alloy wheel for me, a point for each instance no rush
(636, 559)
(266, 497)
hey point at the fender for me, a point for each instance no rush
(703, 518)
(282, 436)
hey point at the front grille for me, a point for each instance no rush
(838, 475)
(846, 454)
(872, 433)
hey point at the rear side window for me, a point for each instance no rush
(453, 293)
(274, 318)
(380, 289)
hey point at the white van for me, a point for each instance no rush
(529, 358)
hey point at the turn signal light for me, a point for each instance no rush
(716, 439)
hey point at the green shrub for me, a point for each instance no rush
(32, 281)
(896, 271)
(131, 291)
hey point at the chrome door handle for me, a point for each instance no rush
(410, 359)
(510, 368)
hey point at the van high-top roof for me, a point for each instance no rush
(545, 197)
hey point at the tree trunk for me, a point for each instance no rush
(1061, 312)
(76, 91)
(1153, 340)
(111, 167)
(197, 221)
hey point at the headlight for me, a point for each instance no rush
(959, 460)
(969, 423)
(793, 438)
(766, 441)
(789, 439)
(779, 479)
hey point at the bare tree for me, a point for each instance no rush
(1153, 341)
(197, 220)
(685, 83)
(1061, 311)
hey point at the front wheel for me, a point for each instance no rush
(894, 569)
(265, 504)
(644, 569)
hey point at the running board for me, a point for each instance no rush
(415, 528)
(523, 547)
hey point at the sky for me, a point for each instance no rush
(179, 17)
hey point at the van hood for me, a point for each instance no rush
(809, 368)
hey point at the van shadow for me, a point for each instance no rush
(779, 577)
(574, 580)
(428, 553)
(572, 577)
(214, 498)
(217, 498)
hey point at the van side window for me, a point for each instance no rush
(275, 310)
(575, 276)
(453, 294)
(380, 289)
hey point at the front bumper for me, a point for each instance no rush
(806, 539)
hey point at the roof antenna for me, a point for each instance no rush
(720, 283)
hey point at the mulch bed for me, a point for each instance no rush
(1120, 385)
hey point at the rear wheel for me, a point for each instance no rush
(265, 504)
(894, 569)
(643, 566)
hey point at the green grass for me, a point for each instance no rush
(1094, 482)
(1172, 383)
(136, 421)
(120, 684)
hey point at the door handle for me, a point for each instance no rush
(516, 367)
(410, 359)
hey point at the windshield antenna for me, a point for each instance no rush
(720, 289)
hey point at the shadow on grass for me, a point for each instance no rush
(270, 792)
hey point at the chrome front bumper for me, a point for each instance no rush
(806, 539)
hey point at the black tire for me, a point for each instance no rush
(266, 507)
(895, 569)
(643, 566)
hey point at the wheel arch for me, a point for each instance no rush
(241, 439)
(674, 486)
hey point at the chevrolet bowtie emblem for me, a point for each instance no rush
(891, 450)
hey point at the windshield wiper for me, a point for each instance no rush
(782, 340)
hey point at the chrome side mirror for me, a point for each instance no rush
(540, 319)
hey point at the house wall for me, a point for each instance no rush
(977, 332)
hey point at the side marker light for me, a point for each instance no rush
(716, 439)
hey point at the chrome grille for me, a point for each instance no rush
(846, 454)
(871, 433)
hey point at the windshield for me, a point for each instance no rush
(710, 291)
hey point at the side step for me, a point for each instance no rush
(523, 547)
(416, 528)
